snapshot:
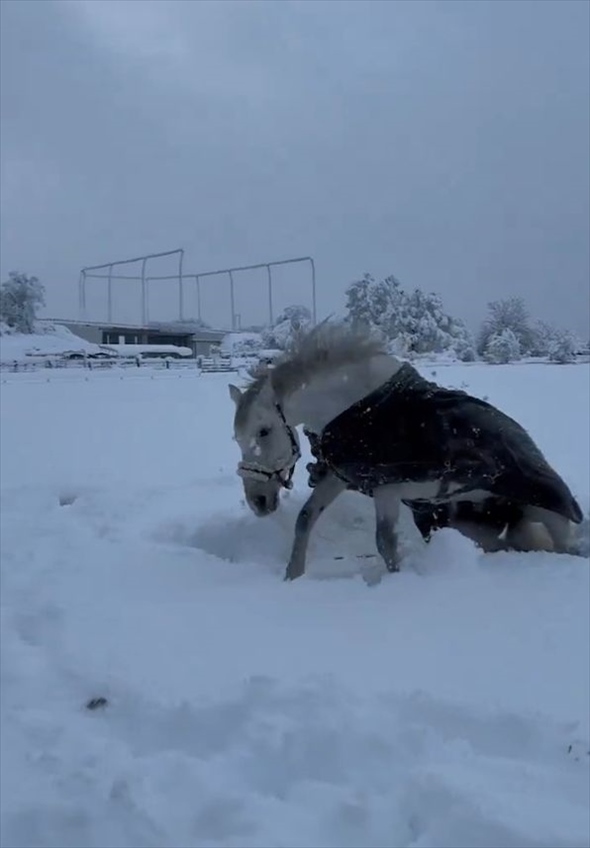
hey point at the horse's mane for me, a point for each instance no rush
(326, 347)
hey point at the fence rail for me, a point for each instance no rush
(50, 364)
(54, 366)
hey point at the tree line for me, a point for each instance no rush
(413, 322)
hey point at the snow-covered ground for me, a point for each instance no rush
(448, 706)
(49, 339)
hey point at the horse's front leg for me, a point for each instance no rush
(387, 506)
(326, 491)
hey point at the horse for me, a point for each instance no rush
(390, 434)
(483, 521)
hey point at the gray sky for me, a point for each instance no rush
(444, 142)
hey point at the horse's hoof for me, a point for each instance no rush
(292, 574)
(372, 575)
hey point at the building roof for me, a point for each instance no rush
(180, 328)
(189, 327)
(135, 349)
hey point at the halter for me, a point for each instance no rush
(283, 475)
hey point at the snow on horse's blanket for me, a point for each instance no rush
(410, 429)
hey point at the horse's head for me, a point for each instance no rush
(269, 446)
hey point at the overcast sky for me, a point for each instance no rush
(444, 142)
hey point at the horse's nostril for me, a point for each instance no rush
(260, 502)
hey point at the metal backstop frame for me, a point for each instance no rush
(86, 273)
(269, 266)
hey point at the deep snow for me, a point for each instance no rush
(447, 706)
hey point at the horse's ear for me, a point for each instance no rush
(235, 394)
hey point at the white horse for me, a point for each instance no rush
(324, 379)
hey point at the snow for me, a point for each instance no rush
(234, 342)
(49, 340)
(138, 349)
(447, 706)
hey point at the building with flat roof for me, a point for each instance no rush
(180, 333)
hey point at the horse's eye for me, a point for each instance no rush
(264, 431)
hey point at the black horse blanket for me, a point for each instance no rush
(412, 430)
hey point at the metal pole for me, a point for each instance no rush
(110, 294)
(232, 298)
(270, 309)
(180, 291)
(118, 276)
(81, 298)
(198, 296)
(313, 292)
(144, 293)
(135, 259)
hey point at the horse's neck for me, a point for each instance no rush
(326, 395)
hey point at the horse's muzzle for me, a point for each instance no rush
(263, 505)
(262, 496)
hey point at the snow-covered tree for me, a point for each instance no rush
(379, 304)
(556, 343)
(463, 342)
(291, 321)
(543, 335)
(509, 314)
(247, 345)
(426, 322)
(413, 323)
(20, 298)
(502, 347)
(432, 330)
(563, 347)
(359, 302)
(400, 345)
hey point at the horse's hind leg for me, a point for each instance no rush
(484, 535)
(558, 527)
(527, 535)
(325, 492)
(387, 504)
(497, 524)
